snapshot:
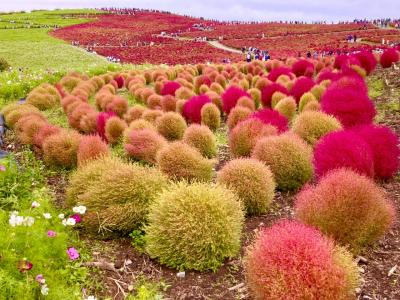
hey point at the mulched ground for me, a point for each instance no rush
(121, 266)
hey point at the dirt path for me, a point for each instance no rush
(218, 45)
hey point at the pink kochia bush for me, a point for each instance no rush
(367, 60)
(385, 149)
(170, 88)
(389, 57)
(350, 105)
(275, 73)
(348, 207)
(269, 90)
(343, 149)
(101, 123)
(91, 147)
(192, 108)
(272, 117)
(293, 261)
(303, 68)
(231, 96)
(301, 86)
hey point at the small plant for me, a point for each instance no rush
(180, 161)
(192, 108)
(4, 65)
(389, 57)
(211, 116)
(343, 149)
(114, 129)
(293, 261)
(313, 125)
(171, 125)
(91, 147)
(231, 96)
(301, 86)
(289, 158)
(253, 182)
(287, 107)
(348, 207)
(194, 226)
(201, 138)
(245, 135)
(237, 115)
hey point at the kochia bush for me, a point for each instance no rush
(61, 149)
(211, 116)
(348, 207)
(194, 227)
(202, 138)
(192, 108)
(289, 158)
(231, 96)
(91, 147)
(389, 57)
(171, 125)
(253, 182)
(343, 149)
(293, 261)
(271, 117)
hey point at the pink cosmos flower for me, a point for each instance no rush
(73, 254)
(24, 266)
(2, 168)
(51, 233)
(77, 218)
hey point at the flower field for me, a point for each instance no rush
(272, 179)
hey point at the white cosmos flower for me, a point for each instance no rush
(47, 216)
(44, 290)
(79, 209)
(29, 221)
(71, 222)
(61, 216)
(35, 204)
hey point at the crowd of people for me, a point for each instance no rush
(253, 53)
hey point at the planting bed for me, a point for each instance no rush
(186, 173)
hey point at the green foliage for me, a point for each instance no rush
(138, 239)
(16, 181)
(252, 181)
(194, 226)
(4, 66)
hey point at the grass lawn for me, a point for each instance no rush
(34, 49)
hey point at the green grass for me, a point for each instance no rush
(375, 87)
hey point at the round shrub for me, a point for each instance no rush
(272, 117)
(385, 149)
(168, 103)
(347, 206)
(91, 147)
(287, 107)
(12, 113)
(211, 116)
(114, 129)
(246, 102)
(256, 96)
(86, 174)
(118, 105)
(389, 57)
(367, 60)
(276, 97)
(231, 96)
(293, 261)
(277, 72)
(303, 67)
(27, 126)
(194, 227)
(301, 86)
(192, 108)
(179, 161)
(289, 158)
(184, 93)
(88, 122)
(252, 181)
(318, 91)
(343, 149)
(119, 199)
(245, 135)
(237, 115)
(101, 123)
(312, 106)
(43, 133)
(311, 126)
(154, 102)
(135, 112)
(61, 149)
(151, 115)
(41, 99)
(144, 144)
(171, 125)
(305, 99)
(349, 105)
(268, 91)
(201, 138)
(170, 88)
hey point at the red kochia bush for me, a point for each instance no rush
(327, 75)
(349, 207)
(367, 60)
(231, 96)
(303, 68)
(101, 123)
(354, 82)
(293, 261)
(301, 86)
(271, 117)
(275, 73)
(349, 105)
(385, 150)
(170, 88)
(269, 90)
(91, 147)
(120, 81)
(343, 149)
(192, 108)
(389, 57)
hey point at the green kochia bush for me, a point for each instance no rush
(194, 226)
(118, 201)
(253, 182)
